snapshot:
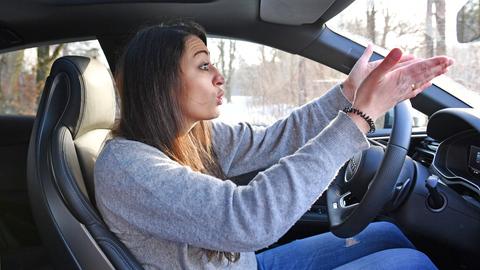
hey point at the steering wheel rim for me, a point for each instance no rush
(347, 221)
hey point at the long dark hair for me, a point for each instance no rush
(148, 81)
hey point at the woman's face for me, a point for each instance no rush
(201, 83)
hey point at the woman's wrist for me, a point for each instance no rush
(362, 115)
(348, 91)
(360, 122)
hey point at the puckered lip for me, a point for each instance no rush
(220, 94)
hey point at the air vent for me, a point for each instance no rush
(425, 151)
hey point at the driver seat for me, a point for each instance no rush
(75, 115)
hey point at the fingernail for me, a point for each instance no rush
(395, 53)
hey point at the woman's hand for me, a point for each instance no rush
(362, 69)
(389, 83)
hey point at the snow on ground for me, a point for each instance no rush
(242, 110)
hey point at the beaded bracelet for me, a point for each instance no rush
(367, 118)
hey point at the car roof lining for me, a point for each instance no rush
(27, 22)
(293, 12)
(95, 2)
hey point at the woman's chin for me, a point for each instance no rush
(214, 115)
(217, 112)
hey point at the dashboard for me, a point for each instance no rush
(458, 162)
(451, 151)
(457, 159)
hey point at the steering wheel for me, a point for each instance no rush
(348, 216)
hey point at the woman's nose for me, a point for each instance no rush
(218, 79)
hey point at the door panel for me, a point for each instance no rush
(17, 228)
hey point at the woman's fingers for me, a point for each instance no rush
(366, 54)
(403, 61)
(406, 63)
(397, 78)
(388, 63)
(418, 90)
(426, 70)
(406, 58)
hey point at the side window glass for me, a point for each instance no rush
(23, 73)
(264, 84)
(386, 121)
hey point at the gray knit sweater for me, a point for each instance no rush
(165, 213)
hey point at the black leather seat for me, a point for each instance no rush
(75, 114)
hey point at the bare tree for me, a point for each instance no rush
(231, 58)
(440, 25)
(22, 78)
(280, 82)
(227, 55)
(302, 82)
(45, 60)
(367, 26)
(429, 46)
(435, 32)
(371, 12)
(10, 72)
(386, 27)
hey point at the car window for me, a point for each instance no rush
(23, 73)
(423, 28)
(263, 84)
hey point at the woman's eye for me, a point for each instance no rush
(205, 66)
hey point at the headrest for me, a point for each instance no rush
(91, 102)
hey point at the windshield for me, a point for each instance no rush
(423, 28)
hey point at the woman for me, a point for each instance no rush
(160, 182)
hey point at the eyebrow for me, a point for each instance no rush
(201, 51)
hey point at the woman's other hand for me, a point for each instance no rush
(362, 69)
(389, 84)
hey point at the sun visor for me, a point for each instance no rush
(298, 12)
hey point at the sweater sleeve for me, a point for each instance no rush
(244, 148)
(160, 198)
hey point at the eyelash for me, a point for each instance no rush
(205, 66)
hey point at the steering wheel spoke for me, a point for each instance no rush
(370, 179)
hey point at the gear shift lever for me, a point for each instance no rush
(435, 200)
